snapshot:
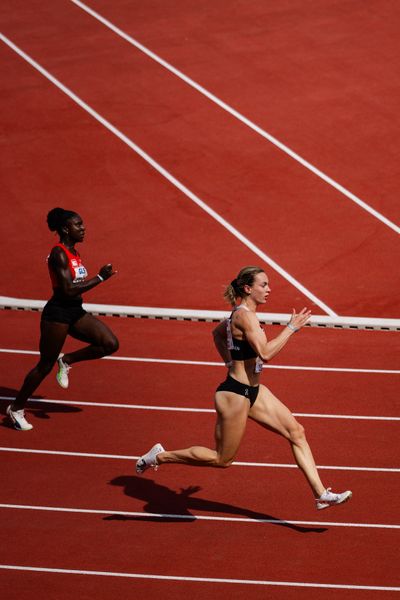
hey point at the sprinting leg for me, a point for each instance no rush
(94, 332)
(232, 411)
(51, 342)
(272, 414)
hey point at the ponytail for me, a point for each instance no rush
(235, 289)
(57, 218)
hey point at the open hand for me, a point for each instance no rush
(298, 320)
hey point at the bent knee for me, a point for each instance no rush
(110, 346)
(44, 367)
(297, 433)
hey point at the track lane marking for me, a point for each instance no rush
(192, 517)
(189, 409)
(199, 579)
(167, 175)
(236, 463)
(340, 188)
(203, 363)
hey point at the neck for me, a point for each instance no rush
(249, 303)
(67, 243)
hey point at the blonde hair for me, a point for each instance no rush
(235, 289)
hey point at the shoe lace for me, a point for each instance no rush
(323, 499)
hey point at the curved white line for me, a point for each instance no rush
(199, 579)
(192, 409)
(206, 363)
(238, 464)
(191, 517)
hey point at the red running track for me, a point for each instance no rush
(110, 485)
(309, 83)
(219, 159)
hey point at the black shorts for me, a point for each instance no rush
(233, 385)
(63, 311)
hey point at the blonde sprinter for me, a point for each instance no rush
(243, 346)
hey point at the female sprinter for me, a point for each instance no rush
(242, 344)
(63, 313)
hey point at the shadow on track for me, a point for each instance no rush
(176, 506)
(40, 410)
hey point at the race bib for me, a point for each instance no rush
(80, 273)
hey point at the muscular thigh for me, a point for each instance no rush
(271, 413)
(52, 338)
(90, 330)
(232, 411)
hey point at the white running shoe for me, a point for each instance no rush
(149, 460)
(62, 373)
(329, 498)
(18, 419)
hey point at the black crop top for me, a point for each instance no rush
(240, 349)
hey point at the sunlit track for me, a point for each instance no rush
(202, 363)
(191, 409)
(202, 579)
(72, 503)
(236, 463)
(195, 517)
(239, 116)
(175, 182)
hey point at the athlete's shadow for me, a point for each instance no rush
(40, 410)
(177, 506)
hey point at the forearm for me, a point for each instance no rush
(76, 289)
(273, 347)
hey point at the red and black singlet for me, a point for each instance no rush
(76, 267)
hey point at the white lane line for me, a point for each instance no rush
(200, 579)
(237, 464)
(190, 409)
(239, 116)
(203, 363)
(235, 232)
(191, 517)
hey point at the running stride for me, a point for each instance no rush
(243, 346)
(63, 314)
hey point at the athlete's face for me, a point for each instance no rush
(76, 229)
(260, 289)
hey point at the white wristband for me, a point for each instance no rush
(291, 327)
(100, 277)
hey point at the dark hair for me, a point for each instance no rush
(235, 289)
(57, 218)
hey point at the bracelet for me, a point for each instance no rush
(291, 327)
(100, 277)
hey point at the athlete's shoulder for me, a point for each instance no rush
(58, 255)
(245, 318)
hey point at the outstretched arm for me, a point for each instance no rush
(257, 339)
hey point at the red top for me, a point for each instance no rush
(78, 271)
